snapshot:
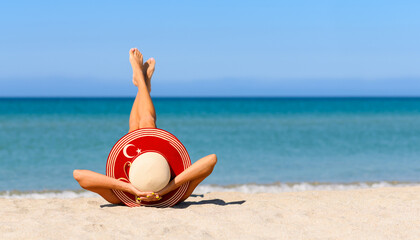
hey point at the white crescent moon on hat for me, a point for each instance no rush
(125, 151)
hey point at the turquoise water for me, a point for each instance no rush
(263, 141)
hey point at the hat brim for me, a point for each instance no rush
(146, 140)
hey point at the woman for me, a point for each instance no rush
(143, 115)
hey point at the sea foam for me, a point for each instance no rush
(298, 187)
(202, 189)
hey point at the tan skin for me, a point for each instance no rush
(143, 115)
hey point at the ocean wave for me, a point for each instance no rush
(277, 187)
(47, 194)
(298, 187)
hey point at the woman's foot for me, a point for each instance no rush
(148, 69)
(136, 60)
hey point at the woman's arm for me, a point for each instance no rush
(200, 169)
(103, 184)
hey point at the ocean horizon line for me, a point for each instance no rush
(203, 97)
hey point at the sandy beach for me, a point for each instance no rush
(383, 213)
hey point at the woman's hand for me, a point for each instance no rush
(149, 197)
(144, 196)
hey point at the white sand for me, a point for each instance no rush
(384, 213)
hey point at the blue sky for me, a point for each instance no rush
(211, 48)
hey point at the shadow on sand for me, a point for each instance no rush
(218, 202)
(111, 205)
(186, 204)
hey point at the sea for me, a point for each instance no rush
(262, 144)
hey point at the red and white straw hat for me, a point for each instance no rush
(153, 145)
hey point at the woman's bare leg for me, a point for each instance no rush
(195, 174)
(102, 184)
(148, 70)
(143, 107)
(134, 121)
